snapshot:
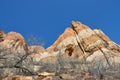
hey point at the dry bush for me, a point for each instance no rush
(33, 40)
(97, 68)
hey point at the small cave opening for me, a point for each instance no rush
(1, 39)
(69, 49)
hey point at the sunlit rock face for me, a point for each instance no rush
(80, 39)
(77, 42)
(13, 40)
(12, 49)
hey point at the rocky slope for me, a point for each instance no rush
(78, 43)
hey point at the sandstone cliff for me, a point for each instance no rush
(78, 43)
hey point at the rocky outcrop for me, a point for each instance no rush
(13, 49)
(13, 40)
(81, 40)
(77, 43)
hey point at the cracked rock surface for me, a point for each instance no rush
(73, 56)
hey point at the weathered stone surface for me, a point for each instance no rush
(68, 34)
(78, 43)
(2, 35)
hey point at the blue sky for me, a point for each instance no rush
(47, 19)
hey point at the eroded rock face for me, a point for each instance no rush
(15, 40)
(2, 35)
(12, 49)
(68, 34)
(78, 43)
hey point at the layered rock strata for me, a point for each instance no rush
(78, 42)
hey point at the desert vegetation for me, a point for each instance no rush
(72, 69)
(61, 69)
(81, 56)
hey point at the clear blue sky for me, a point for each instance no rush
(48, 18)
